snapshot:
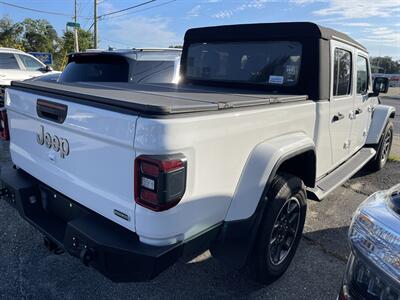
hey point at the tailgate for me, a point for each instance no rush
(83, 152)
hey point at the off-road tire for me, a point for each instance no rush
(285, 190)
(382, 149)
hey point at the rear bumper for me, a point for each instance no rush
(111, 249)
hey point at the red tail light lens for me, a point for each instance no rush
(160, 180)
(4, 132)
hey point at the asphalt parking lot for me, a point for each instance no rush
(29, 271)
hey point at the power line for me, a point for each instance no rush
(83, 7)
(37, 10)
(143, 9)
(137, 11)
(128, 8)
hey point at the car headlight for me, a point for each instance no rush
(364, 281)
(375, 238)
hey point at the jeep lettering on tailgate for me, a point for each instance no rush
(58, 144)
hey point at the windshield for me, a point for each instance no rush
(267, 63)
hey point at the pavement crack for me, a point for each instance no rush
(323, 249)
(20, 277)
(358, 191)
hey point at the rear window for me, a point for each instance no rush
(101, 68)
(96, 69)
(153, 71)
(265, 63)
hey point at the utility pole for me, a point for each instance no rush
(95, 25)
(76, 32)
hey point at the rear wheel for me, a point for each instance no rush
(280, 229)
(383, 149)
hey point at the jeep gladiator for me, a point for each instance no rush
(129, 178)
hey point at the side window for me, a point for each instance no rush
(362, 75)
(8, 61)
(342, 73)
(30, 63)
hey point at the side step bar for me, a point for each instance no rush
(342, 173)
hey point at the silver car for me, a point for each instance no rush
(373, 269)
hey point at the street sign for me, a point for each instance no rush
(44, 57)
(73, 24)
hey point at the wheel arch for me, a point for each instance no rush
(292, 153)
(380, 117)
(238, 235)
(302, 165)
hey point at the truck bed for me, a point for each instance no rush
(155, 99)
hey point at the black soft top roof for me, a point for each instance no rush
(263, 31)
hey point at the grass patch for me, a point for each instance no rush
(394, 157)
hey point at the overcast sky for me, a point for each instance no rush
(161, 23)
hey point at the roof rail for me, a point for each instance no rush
(11, 49)
(157, 49)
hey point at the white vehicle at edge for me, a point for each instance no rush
(18, 65)
(131, 177)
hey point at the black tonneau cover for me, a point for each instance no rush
(155, 99)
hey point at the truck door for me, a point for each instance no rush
(362, 106)
(341, 100)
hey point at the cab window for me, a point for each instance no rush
(8, 61)
(342, 72)
(362, 75)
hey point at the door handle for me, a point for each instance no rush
(358, 111)
(51, 111)
(337, 117)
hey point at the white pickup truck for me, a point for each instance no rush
(129, 178)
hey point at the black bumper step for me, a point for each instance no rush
(106, 246)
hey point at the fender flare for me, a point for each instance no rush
(245, 213)
(380, 117)
(260, 169)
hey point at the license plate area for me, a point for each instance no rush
(59, 205)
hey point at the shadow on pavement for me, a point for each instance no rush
(32, 272)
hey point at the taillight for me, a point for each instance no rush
(4, 132)
(160, 180)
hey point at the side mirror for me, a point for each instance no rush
(46, 69)
(381, 85)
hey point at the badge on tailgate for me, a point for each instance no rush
(52, 141)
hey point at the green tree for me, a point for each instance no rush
(85, 41)
(10, 34)
(39, 36)
(385, 65)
